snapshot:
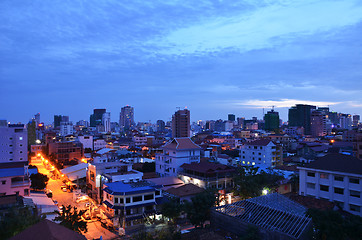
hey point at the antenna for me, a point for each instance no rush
(178, 108)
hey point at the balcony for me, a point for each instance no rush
(25, 183)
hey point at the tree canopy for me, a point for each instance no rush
(38, 181)
(70, 217)
(248, 183)
(16, 220)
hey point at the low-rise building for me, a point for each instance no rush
(207, 175)
(65, 152)
(334, 177)
(175, 153)
(99, 144)
(126, 204)
(100, 173)
(261, 153)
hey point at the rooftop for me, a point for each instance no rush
(337, 162)
(181, 144)
(120, 188)
(47, 230)
(207, 167)
(185, 190)
(261, 142)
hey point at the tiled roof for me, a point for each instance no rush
(185, 190)
(337, 162)
(311, 202)
(47, 230)
(261, 142)
(181, 144)
(207, 167)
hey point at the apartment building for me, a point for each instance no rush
(175, 153)
(126, 204)
(334, 177)
(13, 142)
(261, 153)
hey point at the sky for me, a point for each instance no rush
(214, 57)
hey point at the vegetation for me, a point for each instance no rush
(332, 225)
(248, 183)
(38, 181)
(231, 153)
(70, 217)
(165, 234)
(149, 167)
(198, 210)
(172, 209)
(17, 220)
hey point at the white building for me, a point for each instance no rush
(139, 140)
(100, 173)
(260, 153)
(13, 142)
(66, 128)
(334, 177)
(106, 121)
(99, 144)
(175, 153)
(87, 141)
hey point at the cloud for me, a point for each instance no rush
(264, 27)
(282, 103)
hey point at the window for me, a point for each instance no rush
(354, 208)
(324, 175)
(259, 159)
(354, 194)
(339, 204)
(137, 199)
(338, 190)
(3, 182)
(354, 180)
(148, 197)
(338, 178)
(253, 153)
(255, 147)
(259, 153)
(324, 188)
(20, 138)
(116, 200)
(311, 185)
(121, 200)
(128, 200)
(310, 174)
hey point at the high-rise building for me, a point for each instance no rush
(66, 128)
(96, 117)
(318, 123)
(106, 121)
(13, 142)
(160, 126)
(57, 120)
(37, 119)
(356, 119)
(299, 116)
(181, 124)
(31, 132)
(126, 118)
(240, 121)
(345, 121)
(271, 119)
(231, 117)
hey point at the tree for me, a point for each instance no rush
(38, 181)
(198, 210)
(71, 218)
(17, 219)
(172, 209)
(332, 225)
(248, 183)
(252, 233)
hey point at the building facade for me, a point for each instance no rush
(334, 177)
(126, 118)
(181, 124)
(174, 154)
(13, 142)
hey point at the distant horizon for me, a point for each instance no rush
(50, 118)
(215, 57)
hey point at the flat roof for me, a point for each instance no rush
(120, 188)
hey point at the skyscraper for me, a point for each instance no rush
(299, 116)
(231, 117)
(57, 120)
(181, 124)
(318, 123)
(96, 117)
(271, 120)
(126, 118)
(160, 126)
(106, 121)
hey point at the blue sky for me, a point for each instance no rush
(215, 57)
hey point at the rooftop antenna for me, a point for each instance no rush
(178, 108)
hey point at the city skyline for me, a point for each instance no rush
(214, 57)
